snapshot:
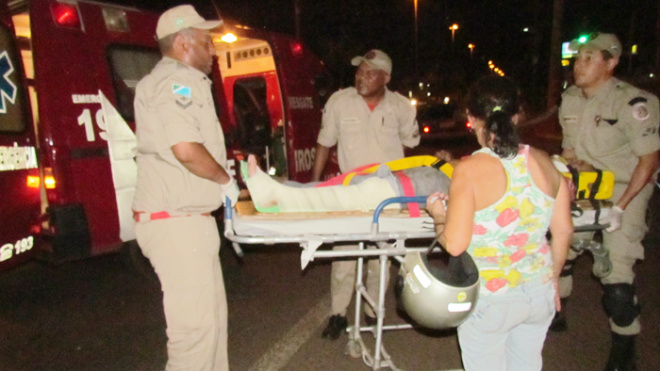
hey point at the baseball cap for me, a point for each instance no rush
(180, 17)
(600, 41)
(376, 59)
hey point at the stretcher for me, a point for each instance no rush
(389, 229)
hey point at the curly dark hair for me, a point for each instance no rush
(495, 100)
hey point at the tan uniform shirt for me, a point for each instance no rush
(611, 129)
(363, 136)
(174, 104)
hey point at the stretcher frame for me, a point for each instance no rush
(379, 357)
(356, 347)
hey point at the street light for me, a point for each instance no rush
(453, 29)
(416, 43)
(471, 47)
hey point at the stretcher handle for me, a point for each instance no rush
(227, 208)
(403, 200)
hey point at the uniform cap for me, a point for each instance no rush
(600, 41)
(181, 17)
(376, 59)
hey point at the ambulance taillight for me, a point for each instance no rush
(33, 181)
(66, 15)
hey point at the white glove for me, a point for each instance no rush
(230, 189)
(614, 218)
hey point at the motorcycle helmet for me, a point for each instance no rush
(436, 290)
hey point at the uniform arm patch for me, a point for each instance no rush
(182, 95)
(640, 112)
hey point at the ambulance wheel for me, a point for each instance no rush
(138, 263)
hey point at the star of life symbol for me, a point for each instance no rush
(7, 87)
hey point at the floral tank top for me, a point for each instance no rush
(509, 244)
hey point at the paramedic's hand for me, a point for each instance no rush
(614, 218)
(436, 207)
(230, 189)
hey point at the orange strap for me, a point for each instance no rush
(345, 178)
(141, 216)
(408, 190)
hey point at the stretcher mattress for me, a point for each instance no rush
(250, 222)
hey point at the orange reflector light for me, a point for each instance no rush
(32, 181)
(66, 15)
(426, 129)
(49, 179)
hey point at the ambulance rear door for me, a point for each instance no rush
(274, 91)
(305, 85)
(19, 175)
(79, 48)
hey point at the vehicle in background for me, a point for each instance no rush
(441, 121)
(69, 72)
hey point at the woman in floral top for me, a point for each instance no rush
(501, 203)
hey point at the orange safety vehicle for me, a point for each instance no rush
(69, 71)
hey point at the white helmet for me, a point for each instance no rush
(438, 293)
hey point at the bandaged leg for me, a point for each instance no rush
(267, 193)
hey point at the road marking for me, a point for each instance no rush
(281, 352)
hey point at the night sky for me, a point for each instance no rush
(337, 30)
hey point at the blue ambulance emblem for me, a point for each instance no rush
(7, 87)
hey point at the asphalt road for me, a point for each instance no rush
(98, 314)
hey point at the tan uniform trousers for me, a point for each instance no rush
(342, 281)
(624, 247)
(184, 253)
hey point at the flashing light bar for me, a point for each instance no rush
(66, 15)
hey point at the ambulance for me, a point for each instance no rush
(68, 72)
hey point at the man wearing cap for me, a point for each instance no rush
(182, 178)
(369, 124)
(611, 125)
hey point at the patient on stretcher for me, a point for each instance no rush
(365, 191)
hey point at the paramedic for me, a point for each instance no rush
(369, 124)
(182, 177)
(610, 125)
(502, 200)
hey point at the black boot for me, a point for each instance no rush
(622, 353)
(558, 323)
(336, 325)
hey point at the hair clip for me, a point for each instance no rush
(497, 108)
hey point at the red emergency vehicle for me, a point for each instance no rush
(69, 71)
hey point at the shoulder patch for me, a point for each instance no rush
(640, 112)
(637, 100)
(182, 95)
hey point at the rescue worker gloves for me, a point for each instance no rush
(614, 218)
(230, 189)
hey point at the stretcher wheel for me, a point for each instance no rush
(602, 267)
(353, 349)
